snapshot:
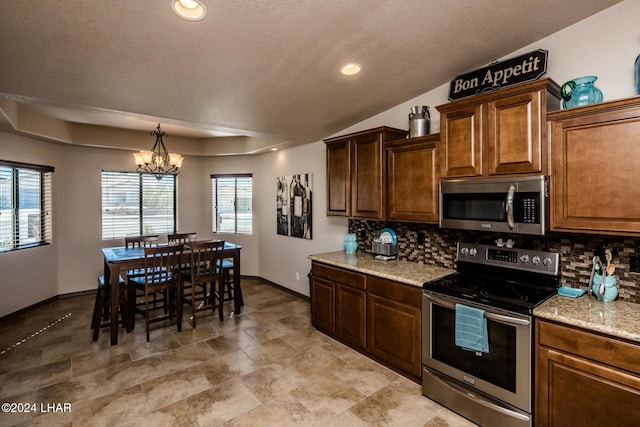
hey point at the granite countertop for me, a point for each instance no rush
(402, 271)
(616, 318)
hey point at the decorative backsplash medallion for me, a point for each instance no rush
(428, 244)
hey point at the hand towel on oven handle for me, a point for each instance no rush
(471, 329)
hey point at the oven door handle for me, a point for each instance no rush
(491, 316)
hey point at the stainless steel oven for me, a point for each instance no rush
(493, 388)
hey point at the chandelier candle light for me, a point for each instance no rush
(158, 161)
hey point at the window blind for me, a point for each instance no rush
(25, 205)
(232, 203)
(137, 204)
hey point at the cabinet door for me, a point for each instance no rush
(572, 391)
(515, 135)
(394, 333)
(596, 159)
(367, 177)
(461, 142)
(323, 304)
(338, 178)
(413, 177)
(351, 315)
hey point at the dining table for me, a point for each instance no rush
(118, 260)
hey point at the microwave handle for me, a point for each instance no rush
(509, 207)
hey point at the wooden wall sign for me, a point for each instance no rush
(521, 69)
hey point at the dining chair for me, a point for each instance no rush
(141, 241)
(101, 317)
(182, 238)
(161, 274)
(199, 282)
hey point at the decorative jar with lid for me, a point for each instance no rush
(350, 243)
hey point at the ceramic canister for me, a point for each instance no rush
(350, 243)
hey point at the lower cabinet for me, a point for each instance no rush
(380, 318)
(393, 324)
(585, 379)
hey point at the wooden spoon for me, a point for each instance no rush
(611, 268)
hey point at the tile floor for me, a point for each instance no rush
(265, 367)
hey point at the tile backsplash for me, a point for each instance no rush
(429, 244)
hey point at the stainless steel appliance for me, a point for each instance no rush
(511, 205)
(493, 388)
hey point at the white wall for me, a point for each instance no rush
(605, 45)
(30, 275)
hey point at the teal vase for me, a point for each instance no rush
(580, 91)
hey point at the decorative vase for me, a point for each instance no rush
(610, 288)
(580, 91)
(350, 243)
(638, 75)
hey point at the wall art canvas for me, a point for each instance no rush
(293, 205)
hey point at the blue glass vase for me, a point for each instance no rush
(580, 91)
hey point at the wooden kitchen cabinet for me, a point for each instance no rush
(498, 133)
(323, 306)
(393, 324)
(596, 168)
(380, 318)
(413, 178)
(338, 303)
(356, 172)
(584, 378)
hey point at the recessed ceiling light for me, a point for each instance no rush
(191, 10)
(350, 69)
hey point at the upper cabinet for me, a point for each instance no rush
(413, 176)
(498, 133)
(596, 168)
(356, 172)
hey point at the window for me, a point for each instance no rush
(25, 205)
(137, 203)
(232, 198)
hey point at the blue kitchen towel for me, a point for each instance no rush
(471, 329)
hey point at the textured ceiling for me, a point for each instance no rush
(264, 69)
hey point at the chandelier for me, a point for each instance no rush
(158, 161)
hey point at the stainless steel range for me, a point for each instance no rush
(491, 386)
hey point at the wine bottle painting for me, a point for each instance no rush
(293, 205)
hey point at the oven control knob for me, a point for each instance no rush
(464, 250)
(473, 251)
(535, 260)
(524, 258)
(547, 261)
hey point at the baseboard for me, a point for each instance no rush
(275, 285)
(25, 310)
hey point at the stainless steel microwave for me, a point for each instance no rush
(508, 205)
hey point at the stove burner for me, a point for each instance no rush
(504, 294)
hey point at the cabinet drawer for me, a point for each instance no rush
(603, 349)
(355, 280)
(407, 294)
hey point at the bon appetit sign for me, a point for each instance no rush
(502, 74)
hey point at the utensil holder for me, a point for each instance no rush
(610, 288)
